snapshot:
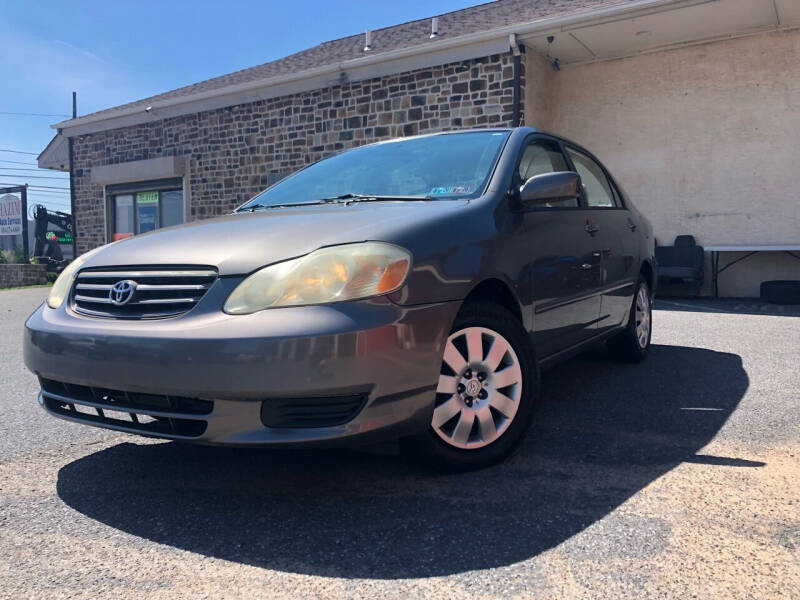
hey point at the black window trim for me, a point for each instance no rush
(132, 188)
(617, 196)
(534, 137)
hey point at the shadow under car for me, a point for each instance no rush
(602, 432)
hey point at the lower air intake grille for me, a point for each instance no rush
(140, 292)
(149, 414)
(325, 411)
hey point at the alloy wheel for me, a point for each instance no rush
(479, 389)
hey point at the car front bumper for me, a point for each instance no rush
(386, 355)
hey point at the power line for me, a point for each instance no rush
(54, 193)
(33, 176)
(34, 170)
(41, 200)
(65, 192)
(49, 187)
(24, 114)
(19, 152)
(36, 190)
(17, 162)
(49, 196)
(48, 199)
(21, 168)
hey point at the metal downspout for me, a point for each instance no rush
(516, 50)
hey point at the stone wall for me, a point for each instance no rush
(22, 274)
(234, 152)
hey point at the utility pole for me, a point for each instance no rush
(72, 182)
(24, 202)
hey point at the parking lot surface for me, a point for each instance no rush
(674, 478)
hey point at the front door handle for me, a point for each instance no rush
(591, 228)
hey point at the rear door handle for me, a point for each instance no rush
(631, 225)
(591, 228)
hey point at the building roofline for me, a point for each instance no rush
(114, 118)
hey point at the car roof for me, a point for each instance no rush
(529, 130)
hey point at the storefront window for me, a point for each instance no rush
(171, 207)
(123, 214)
(136, 209)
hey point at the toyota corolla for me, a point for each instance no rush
(412, 289)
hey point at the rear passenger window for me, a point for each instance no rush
(595, 183)
(540, 157)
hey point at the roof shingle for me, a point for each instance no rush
(483, 17)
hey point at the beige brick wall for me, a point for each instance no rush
(704, 138)
(232, 153)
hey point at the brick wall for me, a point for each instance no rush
(232, 153)
(17, 275)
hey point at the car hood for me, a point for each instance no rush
(240, 243)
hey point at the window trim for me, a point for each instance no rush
(536, 137)
(110, 193)
(616, 195)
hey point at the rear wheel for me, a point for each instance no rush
(633, 343)
(485, 393)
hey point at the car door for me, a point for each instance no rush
(614, 233)
(565, 262)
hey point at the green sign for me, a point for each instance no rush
(146, 197)
(60, 237)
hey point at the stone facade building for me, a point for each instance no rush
(692, 105)
(232, 153)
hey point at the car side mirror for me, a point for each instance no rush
(549, 187)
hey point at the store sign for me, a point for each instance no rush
(147, 197)
(10, 215)
(59, 237)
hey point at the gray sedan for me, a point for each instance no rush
(412, 289)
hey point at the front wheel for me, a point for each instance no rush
(633, 343)
(485, 393)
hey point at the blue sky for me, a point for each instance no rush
(112, 52)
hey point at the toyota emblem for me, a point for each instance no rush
(122, 292)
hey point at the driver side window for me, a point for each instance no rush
(544, 156)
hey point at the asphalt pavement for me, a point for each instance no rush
(678, 477)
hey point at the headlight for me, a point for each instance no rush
(332, 274)
(63, 283)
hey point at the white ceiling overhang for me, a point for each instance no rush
(664, 27)
(56, 155)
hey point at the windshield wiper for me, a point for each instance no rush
(341, 199)
(256, 207)
(348, 198)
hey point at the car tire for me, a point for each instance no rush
(504, 381)
(633, 343)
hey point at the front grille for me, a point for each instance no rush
(150, 414)
(326, 411)
(156, 292)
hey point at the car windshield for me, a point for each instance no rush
(447, 166)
